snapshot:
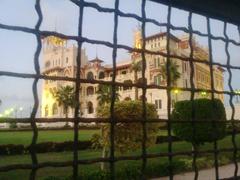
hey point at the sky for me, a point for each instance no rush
(17, 49)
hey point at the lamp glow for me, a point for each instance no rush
(203, 93)
(176, 91)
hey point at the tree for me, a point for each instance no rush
(136, 67)
(128, 135)
(173, 71)
(105, 94)
(203, 130)
(65, 96)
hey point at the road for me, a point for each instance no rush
(206, 174)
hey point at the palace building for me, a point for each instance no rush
(59, 59)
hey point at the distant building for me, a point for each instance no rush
(59, 60)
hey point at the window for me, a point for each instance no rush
(47, 64)
(129, 82)
(124, 72)
(90, 90)
(90, 107)
(157, 62)
(101, 75)
(157, 80)
(158, 104)
(46, 110)
(90, 75)
(142, 81)
(54, 109)
(127, 99)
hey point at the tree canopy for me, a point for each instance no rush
(65, 96)
(129, 135)
(203, 130)
(173, 71)
(105, 94)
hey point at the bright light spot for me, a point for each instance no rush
(203, 93)
(21, 108)
(1, 115)
(176, 91)
(7, 112)
(237, 92)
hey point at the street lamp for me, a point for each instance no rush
(237, 92)
(176, 92)
(203, 93)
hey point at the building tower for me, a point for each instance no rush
(59, 59)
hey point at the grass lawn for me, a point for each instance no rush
(65, 156)
(25, 137)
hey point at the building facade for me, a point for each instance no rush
(59, 59)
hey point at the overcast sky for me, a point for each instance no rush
(17, 48)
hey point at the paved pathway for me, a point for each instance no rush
(206, 174)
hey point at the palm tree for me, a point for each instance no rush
(174, 74)
(105, 94)
(65, 96)
(136, 67)
(104, 97)
(173, 70)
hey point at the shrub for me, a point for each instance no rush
(44, 147)
(16, 149)
(205, 110)
(96, 141)
(95, 175)
(164, 139)
(13, 125)
(3, 150)
(128, 136)
(11, 149)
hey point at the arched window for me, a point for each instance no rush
(90, 107)
(128, 82)
(90, 75)
(141, 97)
(101, 75)
(46, 110)
(54, 109)
(90, 90)
(141, 81)
(127, 99)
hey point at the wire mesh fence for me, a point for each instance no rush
(143, 51)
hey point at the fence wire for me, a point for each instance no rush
(78, 80)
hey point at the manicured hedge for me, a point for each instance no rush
(45, 147)
(12, 149)
(203, 130)
(165, 139)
